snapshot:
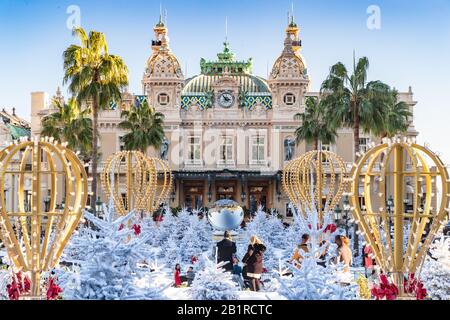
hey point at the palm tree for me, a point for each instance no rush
(95, 78)
(395, 117)
(353, 102)
(145, 127)
(70, 124)
(315, 125)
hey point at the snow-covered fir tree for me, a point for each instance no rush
(164, 229)
(295, 231)
(155, 281)
(182, 237)
(271, 231)
(312, 281)
(196, 240)
(213, 283)
(5, 279)
(109, 268)
(173, 226)
(268, 227)
(435, 273)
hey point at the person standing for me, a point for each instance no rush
(297, 256)
(250, 249)
(225, 251)
(368, 261)
(177, 275)
(344, 255)
(255, 266)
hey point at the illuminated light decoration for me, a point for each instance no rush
(315, 180)
(146, 182)
(402, 162)
(20, 227)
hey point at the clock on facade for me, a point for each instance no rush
(226, 100)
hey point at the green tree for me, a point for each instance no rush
(351, 101)
(370, 106)
(145, 127)
(95, 78)
(395, 117)
(70, 124)
(315, 125)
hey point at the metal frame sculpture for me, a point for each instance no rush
(382, 170)
(158, 191)
(315, 176)
(142, 189)
(36, 233)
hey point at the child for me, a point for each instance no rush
(237, 272)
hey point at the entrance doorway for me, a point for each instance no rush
(258, 196)
(226, 190)
(193, 195)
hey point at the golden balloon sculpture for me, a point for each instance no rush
(146, 182)
(34, 229)
(315, 180)
(399, 196)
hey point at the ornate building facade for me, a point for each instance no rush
(229, 133)
(13, 127)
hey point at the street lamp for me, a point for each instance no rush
(390, 204)
(243, 196)
(347, 208)
(47, 203)
(98, 206)
(337, 215)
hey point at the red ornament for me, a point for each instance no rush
(137, 229)
(421, 292)
(412, 285)
(193, 259)
(53, 290)
(331, 227)
(19, 282)
(13, 290)
(121, 227)
(26, 284)
(385, 289)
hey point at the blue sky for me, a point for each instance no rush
(411, 48)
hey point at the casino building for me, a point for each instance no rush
(229, 132)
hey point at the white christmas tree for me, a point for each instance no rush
(164, 229)
(312, 281)
(108, 269)
(5, 279)
(196, 240)
(182, 237)
(271, 231)
(155, 281)
(213, 283)
(435, 273)
(173, 226)
(295, 231)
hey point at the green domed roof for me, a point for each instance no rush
(225, 65)
(247, 83)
